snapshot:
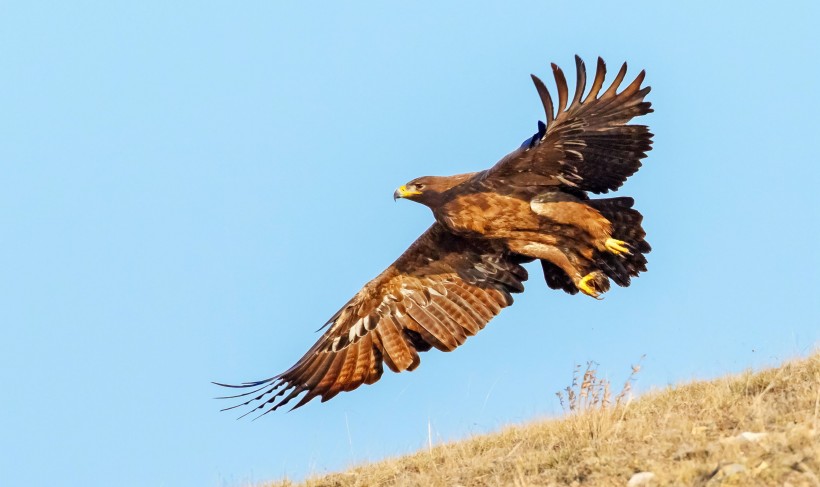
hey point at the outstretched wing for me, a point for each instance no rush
(443, 289)
(588, 145)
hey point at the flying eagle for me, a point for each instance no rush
(532, 204)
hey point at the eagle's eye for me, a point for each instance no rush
(419, 186)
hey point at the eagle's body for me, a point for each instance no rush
(552, 225)
(533, 204)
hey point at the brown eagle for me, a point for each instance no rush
(460, 273)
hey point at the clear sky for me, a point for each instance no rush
(189, 189)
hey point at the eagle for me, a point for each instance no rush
(533, 204)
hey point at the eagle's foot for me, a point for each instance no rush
(584, 287)
(617, 247)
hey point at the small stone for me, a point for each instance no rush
(732, 469)
(641, 479)
(745, 437)
(752, 437)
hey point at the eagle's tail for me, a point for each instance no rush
(626, 226)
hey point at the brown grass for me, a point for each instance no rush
(752, 429)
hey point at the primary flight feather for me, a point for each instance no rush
(532, 204)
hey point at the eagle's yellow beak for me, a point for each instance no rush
(403, 192)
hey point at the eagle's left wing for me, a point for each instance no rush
(588, 145)
(443, 289)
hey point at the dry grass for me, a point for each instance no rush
(593, 392)
(752, 429)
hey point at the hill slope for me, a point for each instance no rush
(752, 429)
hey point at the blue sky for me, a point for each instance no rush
(188, 190)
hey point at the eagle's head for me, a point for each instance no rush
(429, 190)
(424, 190)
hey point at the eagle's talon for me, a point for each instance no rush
(617, 247)
(586, 288)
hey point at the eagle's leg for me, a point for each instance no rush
(571, 217)
(580, 270)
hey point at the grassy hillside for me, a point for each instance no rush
(752, 429)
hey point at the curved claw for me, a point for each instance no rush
(586, 288)
(617, 247)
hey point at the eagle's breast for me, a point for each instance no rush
(486, 214)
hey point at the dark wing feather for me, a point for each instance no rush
(586, 146)
(443, 289)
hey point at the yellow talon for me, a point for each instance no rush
(617, 247)
(587, 289)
